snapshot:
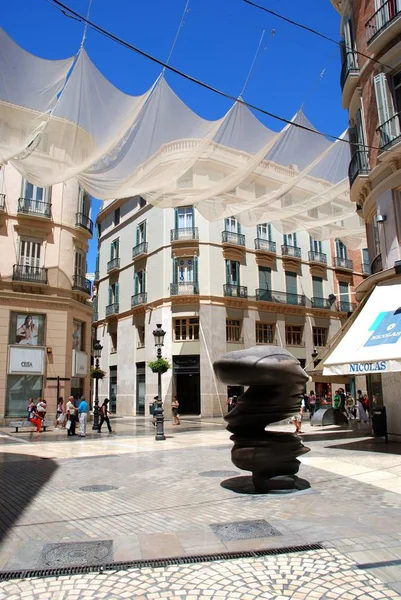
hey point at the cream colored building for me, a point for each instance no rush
(214, 287)
(45, 306)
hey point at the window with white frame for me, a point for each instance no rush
(387, 109)
(264, 231)
(84, 203)
(233, 330)
(231, 224)
(264, 333)
(293, 335)
(290, 239)
(141, 233)
(115, 249)
(315, 245)
(30, 254)
(184, 217)
(80, 264)
(186, 329)
(319, 336)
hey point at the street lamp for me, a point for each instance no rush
(159, 334)
(97, 352)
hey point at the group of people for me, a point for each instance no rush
(68, 417)
(174, 410)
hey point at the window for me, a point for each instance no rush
(231, 224)
(184, 217)
(30, 254)
(232, 272)
(319, 336)
(115, 249)
(141, 336)
(141, 233)
(142, 202)
(80, 264)
(233, 330)
(386, 110)
(291, 283)
(264, 333)
(27, 329)
(113, 342)
(185, 270)
(99, 230)
(186, 329)
(315, 245)
(341, 249)
(34, 193)
(113, 293)
(317, 285)
(264, 231)
(140, 282)
(293, 335)
(290, 239)
(265, 278)
(344, 291)
(117, 217)
(84, 203)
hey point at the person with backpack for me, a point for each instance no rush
(104, 416)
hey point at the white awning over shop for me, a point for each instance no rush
(373, 342)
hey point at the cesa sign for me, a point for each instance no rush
(23, 360)
(370, 367)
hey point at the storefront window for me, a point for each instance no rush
(19, 389)
(77, 328)
(27, 329)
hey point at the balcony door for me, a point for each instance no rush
(232, 272)
(113, 293)
(184, 217)
(341, 250)
(84, 203)
(185, 270)
(35, 197)
(80, 264)
(264, 231)
(290, 239)
(291, 284)
(231, 224)
(141, 233)
(29, 255)
(315, 245)
(140, 282)
(388, 120)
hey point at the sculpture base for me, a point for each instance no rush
(275, 485)
(328, 416)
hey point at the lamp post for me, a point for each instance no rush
(97, 352)
(159, 334)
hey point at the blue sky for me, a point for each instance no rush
(216, 44)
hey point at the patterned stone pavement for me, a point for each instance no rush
(322, 574)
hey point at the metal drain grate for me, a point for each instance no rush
(154, 562)
(98, 488)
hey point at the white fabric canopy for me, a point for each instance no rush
(61, 119)
(373, 342)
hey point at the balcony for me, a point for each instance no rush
(345, 306)
(113, 265)
(320, 303)
(34, 208)
(236, 239)
(95, 315)
(280, 297)
(84, 222)
(190, 288)
(366, 268)
(343, 263)
(349, 77)
(139, 250)
(265, 245)
(29, 274)
(235, 291)
(291, 251)
(390, 133)
(358, 166)
(81, 284)
(112, 309)
(184, 234)
(383, 26)
(377, 265)
(139, 299)
(2, 202)
(317, 257)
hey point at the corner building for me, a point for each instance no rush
(45, 307)
(215, 287)
(371, 92)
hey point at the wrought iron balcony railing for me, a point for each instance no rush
(235, 291)
(345, 306)
(139, 249)
(343, 263)
(84, 221)
(280, 297)
(112, 309)
(113, 264)
(318, 257)
(377, 264)
(139, 299)
(2, 202)
(29, 274)
(28, 206)
(184, 288)
(229, 237)
(349, 67)
(81, 284)
(359, 165)
(293, 251)
(382, 18)
(184, 233)
(390, 132)
(320, 303)
(265, 245)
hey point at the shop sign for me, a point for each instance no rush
(371, 367)
(79, 363)
(24, 360)
(186, 364)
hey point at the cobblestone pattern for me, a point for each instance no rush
(318, 575)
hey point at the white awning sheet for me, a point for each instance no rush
(373, 342)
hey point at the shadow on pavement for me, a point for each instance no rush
(21, 478)
(371, 445)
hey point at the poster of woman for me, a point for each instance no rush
(27, 330)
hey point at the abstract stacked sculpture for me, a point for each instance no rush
(276, 382)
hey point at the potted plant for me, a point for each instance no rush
(160, 365)
(97, 373)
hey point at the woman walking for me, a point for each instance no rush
(174, 411)
(70, 411)
(60, 417)
(104, 416)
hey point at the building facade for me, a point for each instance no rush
(45, 307)
(215, 287)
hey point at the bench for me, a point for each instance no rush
(25, 425)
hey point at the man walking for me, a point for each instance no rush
(83, 409)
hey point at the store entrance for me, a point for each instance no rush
(186, 371)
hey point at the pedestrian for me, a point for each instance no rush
(312, 403)
(297, 419)
(350, 406)
(337, 400)
(83, 410)
(229, 403)
(342, 399)
(174, 411)
(104, 415)
(362, 416)
(60, 417)
(41, 408)
(70, 411)
(366, 404)
(34, 416)
(155, 404)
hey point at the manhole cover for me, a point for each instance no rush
(76, 554)
(218, 473)
(98, 488)
(244, 530)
